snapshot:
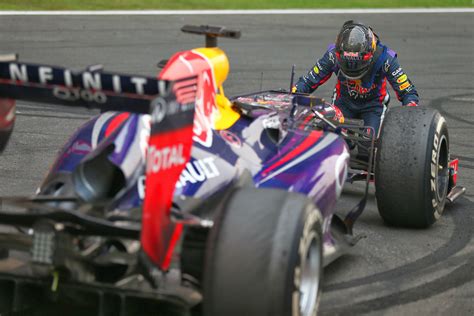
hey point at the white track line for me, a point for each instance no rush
(243, 12)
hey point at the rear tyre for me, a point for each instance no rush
(264, 256)
(411, 169)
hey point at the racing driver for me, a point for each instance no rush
(362, 65)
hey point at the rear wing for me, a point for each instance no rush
(90, 89)
(171, 105)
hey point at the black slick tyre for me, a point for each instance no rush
(264, 256)
(411, 168)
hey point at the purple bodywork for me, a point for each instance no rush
(278, 149)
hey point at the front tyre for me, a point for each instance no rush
(264, 256)
(412, 167)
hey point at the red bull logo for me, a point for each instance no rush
(351, 54)
(192, 63)
(205, 105)
(356, 86)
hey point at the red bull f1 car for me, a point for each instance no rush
(179, 200)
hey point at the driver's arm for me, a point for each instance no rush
(318, 74)
(401, 84)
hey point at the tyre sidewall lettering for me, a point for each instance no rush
(438, 139)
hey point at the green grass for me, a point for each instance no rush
(221, 4)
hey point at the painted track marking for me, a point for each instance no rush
(245, 12)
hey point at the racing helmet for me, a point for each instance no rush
(355, 47)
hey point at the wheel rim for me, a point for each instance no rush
(442, 176)
(310, 277)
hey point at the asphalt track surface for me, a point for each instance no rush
(390, 272)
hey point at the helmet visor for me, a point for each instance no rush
(354, 67)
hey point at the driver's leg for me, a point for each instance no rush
(372, 116)
(346, 110)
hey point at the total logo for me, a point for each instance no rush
(164, 158)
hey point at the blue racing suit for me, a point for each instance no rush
(364, 98)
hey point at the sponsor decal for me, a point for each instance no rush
(164, 158)
(405, 85)
(205, 106)
(356, 90)
(159, 106)
(197, 171)
(68, 94)
(402, 78)
(411, 87)
(434, 168)
(397, 72)
(331, 57)
(316, 69)
(351, 54)
(79, 147)
(162, 108)
(87, 80)
(231, 138)
(386, 66)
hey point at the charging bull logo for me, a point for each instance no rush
(205, 106)
(356, 90)
(192, 63)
